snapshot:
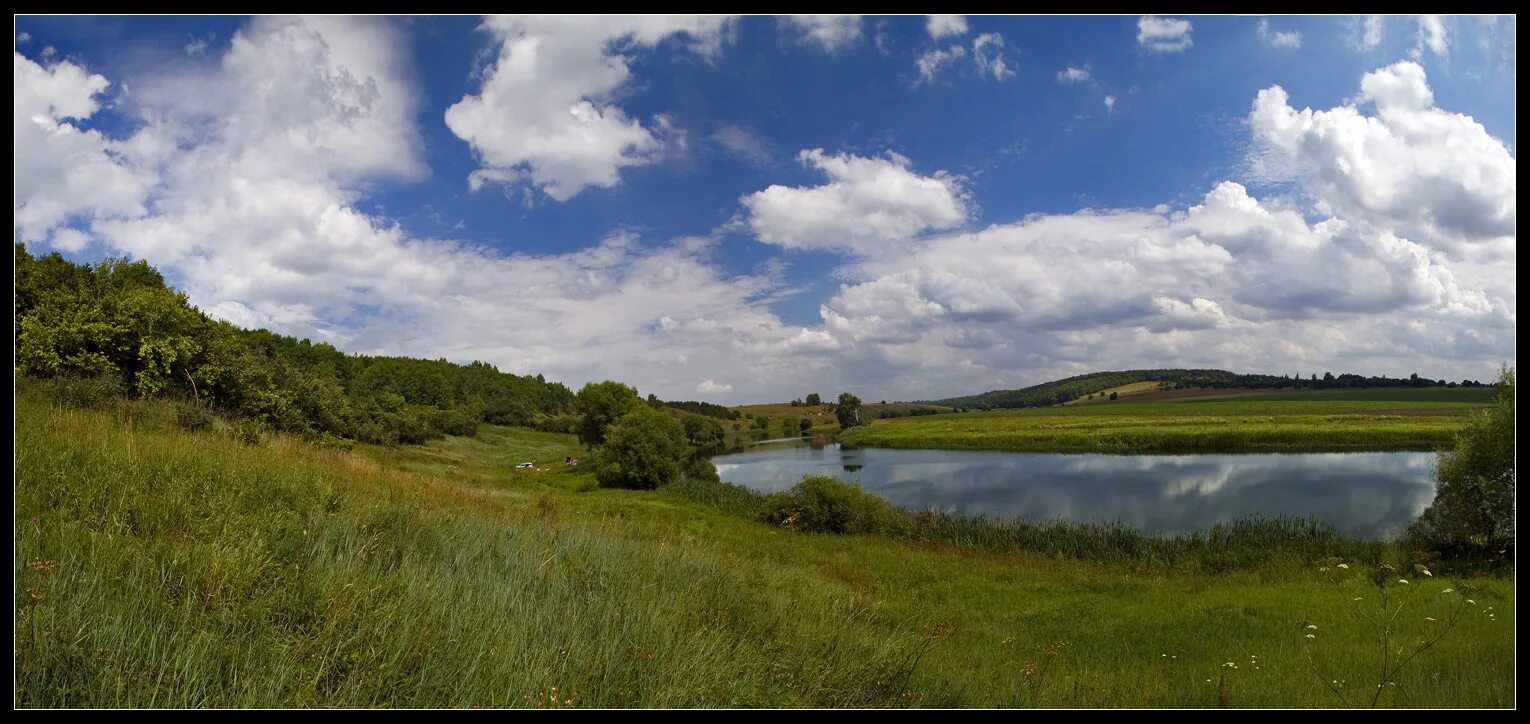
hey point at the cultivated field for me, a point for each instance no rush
(1199, 421)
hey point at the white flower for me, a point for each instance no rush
(1310, 636)
(1312, 625)
(1403, 581)
(1345, 566)
(1448, 590)
(1471, 602)
(1428, 618)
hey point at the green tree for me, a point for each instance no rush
(703, 433)
(1112, 396)
(848, 410)
(643, 449)
(599, 405)
(813, 399)
(761, 422)
(1473, 504)
(804, 426)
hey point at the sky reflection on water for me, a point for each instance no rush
(1367, 494)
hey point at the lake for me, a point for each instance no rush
(1372, 494)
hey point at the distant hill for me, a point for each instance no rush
(1072, 388)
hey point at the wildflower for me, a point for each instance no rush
(1471, 602)
(1358, 598)
(1312, 625)
(1344, 566)
(1448, 590)
(1403, 581)
(1428, 618)
(1324, 569)
(1310, 636)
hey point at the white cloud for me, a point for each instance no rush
(546, 115)
(866, 202)
(1435, 176)
(1164, 35)
(23, 37)
(932, 62)
(1072, 75)
(1110, 103)
(62, 172)
(1432, 36)
(1374, 31)
(197, 46)
(988, 53)
(832, 33)
(250, 195)
(710, 387)
(1283, 39)
(941, 26)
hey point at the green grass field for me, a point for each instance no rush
(1195, 421)
(159, 567)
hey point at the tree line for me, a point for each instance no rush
(118, 324)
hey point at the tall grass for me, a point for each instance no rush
(160, 567)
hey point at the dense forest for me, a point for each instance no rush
(116, 326)
(1071, 388)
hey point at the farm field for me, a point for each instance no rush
(157, 566)
(1194, 420)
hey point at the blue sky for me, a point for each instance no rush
(1010, 201)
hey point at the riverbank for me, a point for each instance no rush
(157, 566)
(1336, 421)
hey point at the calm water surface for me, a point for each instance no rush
(1366, 494)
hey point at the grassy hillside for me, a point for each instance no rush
(156, 566)
(1073, 389)
(1191, 421)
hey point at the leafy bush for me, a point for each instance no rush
(822, 504)
(643, 449)
(1473, 508)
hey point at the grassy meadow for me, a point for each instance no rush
(157, 566)
(1149, 421)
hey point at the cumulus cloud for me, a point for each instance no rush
(62, 172)
(711, 387)
(1163, 35)
(1396, 255)
(1073, 76)
(831, 33)
(1110, 104)
(246, 191)
(1283, 39)
(866, 202)
(545, 114)
(941, 26)
(1435, 176)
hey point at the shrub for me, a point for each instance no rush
(642, 450)
(1473, 508)
(822, 504)
(193, 417)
